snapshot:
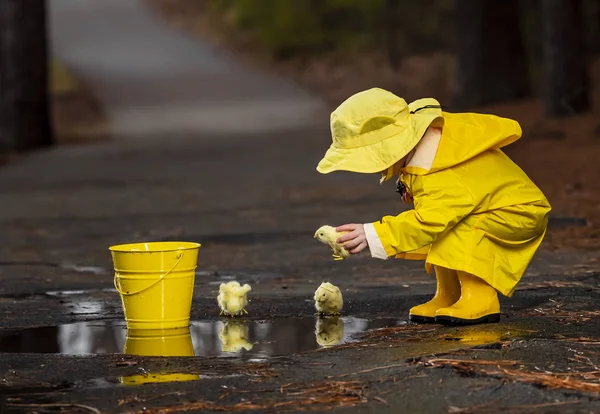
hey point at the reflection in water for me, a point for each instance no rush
(480, 338)
(158, 342)
(91, 338)
(329, 331)
(203, 338)
(487, 334)
(234, 336)
(42, 340)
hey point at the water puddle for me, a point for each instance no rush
(96, 270)
(253, 340)
(69, 293)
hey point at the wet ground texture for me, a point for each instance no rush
(64, 347)
(71, 351)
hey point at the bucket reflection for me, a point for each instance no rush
(159, 342)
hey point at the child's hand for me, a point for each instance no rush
(403, 191)
(407, 198)
(355, 241)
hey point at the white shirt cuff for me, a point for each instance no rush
(375, 245)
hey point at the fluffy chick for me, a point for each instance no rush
(329, 331)
(328, 235)
(328, 299)
(232, 298)
(234, 336)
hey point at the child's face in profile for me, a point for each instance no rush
(395, 168)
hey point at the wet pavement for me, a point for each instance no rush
(282, 357)
(63, 339)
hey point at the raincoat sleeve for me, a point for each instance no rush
(441, 201)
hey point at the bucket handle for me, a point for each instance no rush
(116, 283)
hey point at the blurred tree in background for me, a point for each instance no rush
(504, 50)
(308, 27)
(492, 60)
(566, 86)
(24, 104)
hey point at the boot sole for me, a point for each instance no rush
(421, 319)
(450, 320)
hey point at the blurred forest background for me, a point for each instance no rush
(466, 53)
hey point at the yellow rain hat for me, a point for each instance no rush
(374, 129)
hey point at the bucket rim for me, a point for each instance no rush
(131, 247)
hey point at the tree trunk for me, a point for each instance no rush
(566, 83)
(24, 107)
(492, 63)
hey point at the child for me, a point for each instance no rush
(477, 218)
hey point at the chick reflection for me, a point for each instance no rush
(329, 331)
(234, 336)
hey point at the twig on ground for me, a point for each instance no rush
(494, 408)
(58, 405)
(576, 381)
(137, 398)
(583, 340)
(364, 371)
(381, 400)
(340, 393)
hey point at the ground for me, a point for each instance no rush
(254, 200)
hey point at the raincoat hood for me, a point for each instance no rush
(467, 135)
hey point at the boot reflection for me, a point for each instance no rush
(480, 335)
(329, 331)
(159, 342)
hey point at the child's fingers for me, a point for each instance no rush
(346, 227)
(348, 236)
(352, 244)
(359, 248)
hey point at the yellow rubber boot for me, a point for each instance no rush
(478, 303)
(447, 292)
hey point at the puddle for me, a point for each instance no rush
(96, 270)
(253, 340)
(70, 293)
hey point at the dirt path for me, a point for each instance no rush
(152, 79)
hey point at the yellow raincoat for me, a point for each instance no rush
(474, 209)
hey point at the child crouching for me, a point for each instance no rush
(477, 219)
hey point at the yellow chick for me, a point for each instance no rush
(329, 331)
(232, 298)
(328, 299)
(234, 337)
(328, 235)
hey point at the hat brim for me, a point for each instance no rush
(379, 156)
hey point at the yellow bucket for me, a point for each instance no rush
(159, 342)
(156, 283)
